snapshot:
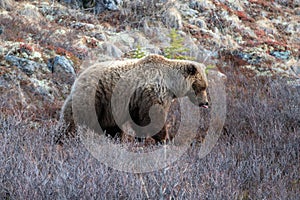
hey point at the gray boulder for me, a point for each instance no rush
(61, 63)
(111, 50)
(102, 5)
(26, 65)
(97, 5)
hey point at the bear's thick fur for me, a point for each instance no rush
(103, 93)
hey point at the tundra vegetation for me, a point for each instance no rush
(254, 43)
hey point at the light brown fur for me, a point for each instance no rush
(101, 80)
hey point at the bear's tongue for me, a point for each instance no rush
(204, 106)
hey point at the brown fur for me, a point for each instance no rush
(101, 79)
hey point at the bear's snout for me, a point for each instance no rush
(202, 99)
(204, 105)
(199, 100)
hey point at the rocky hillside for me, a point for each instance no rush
(44, 44)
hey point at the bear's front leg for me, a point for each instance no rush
(162, 136)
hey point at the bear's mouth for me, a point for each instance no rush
(204, 105)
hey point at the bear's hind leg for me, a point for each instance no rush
(66, 122)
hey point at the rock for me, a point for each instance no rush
(296, 69)
(297, 11)
(251, 58)
(236, 5)
(292, 28)
(283, 55)
(31, 12)
(172, 18)
(157, 33)
(152, 49)
(186, 11)
(267, 26)
(102, 5)
(201, 5)
(37, 56)
(6, 4)
(59, 32)
(198, 22)
(123, 41)
(4, 84)
(112, 4)
(60, 63)
(111, 50)
(42, 87)
(2, 49)
(124, 38)
(95, 57)
(81, 25)
(192, 48)
(26, 65)
(99, 36)
(206, 55)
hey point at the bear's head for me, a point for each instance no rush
(193, 84)
(197, 81)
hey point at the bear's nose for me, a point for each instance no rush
(205, 105)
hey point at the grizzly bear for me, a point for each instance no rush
(110, 95)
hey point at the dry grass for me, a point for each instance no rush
(257, 157)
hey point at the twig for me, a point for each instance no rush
(144, 186)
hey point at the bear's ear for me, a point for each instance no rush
(191, 69)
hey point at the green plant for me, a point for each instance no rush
(138, 52)
(176, 48)
(209, 67)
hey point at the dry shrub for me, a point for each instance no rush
(258, 158)
(257, 103)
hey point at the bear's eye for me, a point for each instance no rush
(197, 87)
(191, 70)
(202, 88)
